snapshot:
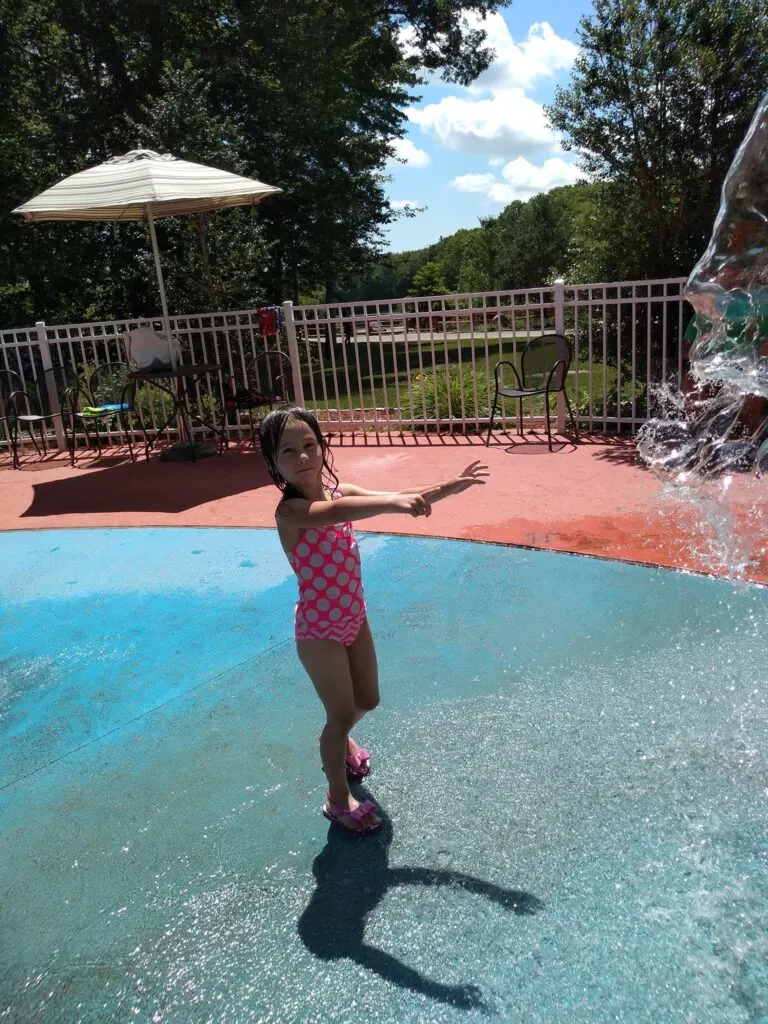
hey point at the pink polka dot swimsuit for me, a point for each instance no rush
(331, 605)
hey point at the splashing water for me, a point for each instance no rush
(718, 424)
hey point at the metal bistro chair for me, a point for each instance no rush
(264, 386)
(29, 406)
(544, 369)
(107, 393)
(10, 382)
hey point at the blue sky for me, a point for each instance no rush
(471, 151)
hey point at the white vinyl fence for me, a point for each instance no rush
(424, 363)
(429, 362)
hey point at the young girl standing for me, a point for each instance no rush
(333, 639)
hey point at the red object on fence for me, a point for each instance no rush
(267, 320)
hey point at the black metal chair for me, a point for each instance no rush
(265, 386)
(10, 382)
(106, 394)
(544, 369)
(31, 409)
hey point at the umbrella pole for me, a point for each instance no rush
(160, 282)
(185, 435)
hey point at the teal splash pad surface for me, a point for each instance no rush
(570, 754)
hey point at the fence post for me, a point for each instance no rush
(50, 384)
(293, 352)
(560, 329)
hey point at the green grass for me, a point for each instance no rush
(451, 388)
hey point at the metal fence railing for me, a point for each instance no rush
(429, 362)
(422, 363)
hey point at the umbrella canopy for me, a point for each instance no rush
(143, 185)
(125, 187)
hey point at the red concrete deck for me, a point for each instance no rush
(593, 498)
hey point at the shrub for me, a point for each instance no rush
(438, 395)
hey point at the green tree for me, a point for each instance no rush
(221, 253)
(428, 280)
(471, 277)
(528, 244)
(660, 97)
(305, 96)
(532, 240)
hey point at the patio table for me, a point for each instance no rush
(177, 383)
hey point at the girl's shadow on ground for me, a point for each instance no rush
(353, 875)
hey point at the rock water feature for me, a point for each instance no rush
(717, 425)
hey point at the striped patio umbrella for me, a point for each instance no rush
(143, 185)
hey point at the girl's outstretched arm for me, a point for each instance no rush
(302, 514)
(473, 474)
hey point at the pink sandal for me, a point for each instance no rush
(358, 765)
(335, 812)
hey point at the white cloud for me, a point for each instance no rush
(524, 177)
(406, 40)
(494, 116)
(499, 192)
(402, 204)
(519, 65)
(407, 153)
(521, 180)
(508, 124)
(540, 55)
(473, 182)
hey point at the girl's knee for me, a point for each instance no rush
(368, 702)
(341, 721)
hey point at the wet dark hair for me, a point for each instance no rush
(270, 435)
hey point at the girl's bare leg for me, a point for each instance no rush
(364, 671)
(328, 666)
(365, 676)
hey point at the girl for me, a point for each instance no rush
(333, 639)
